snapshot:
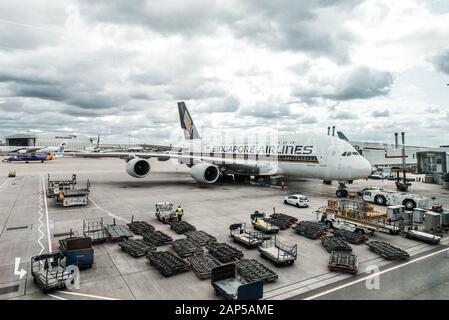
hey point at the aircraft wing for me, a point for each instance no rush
(27, 149)
(248, 166)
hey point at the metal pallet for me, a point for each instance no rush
(201, 238)
(118, 232)
(157, 238)
(315, 224)
(351, 237)
(310, 229)
(139, 227)
(388, 251)
(343, 262)
(137, 248)
(186, 248)
(94, 229)
(167, 263)
(224, 252)
(335, 244)
(181, 227)
(284, 216)
(203, 264)
(282, 221)
(252, 270)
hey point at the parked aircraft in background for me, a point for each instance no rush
(31, 149)
(33, 157)
(313, 156)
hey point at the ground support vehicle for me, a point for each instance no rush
(48, 272)
(156, 238)
(137, 248)
(311, 229)
(181, 227)
(224, 252)
(335, 244)
(186, 248)
(343, 262)
(351, 237)
(252, 270)
(12, 173)
(201, 238)
(249, 239)
(388, 251)
(55, 186)
(226, 284)
(94, 229)
(77, 251)
(167, 263)
(117, 232)
(277, 252)
(394, 198)
(203, 264)
(355, 215)
(259, 223)
(139, 227)
(73, 197)
(166, 212)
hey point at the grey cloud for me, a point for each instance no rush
(343, 115)
(358, 83)
(441, 61)
(265, 110)
(381, 113)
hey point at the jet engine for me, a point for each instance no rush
(205, 173)
(137, 167)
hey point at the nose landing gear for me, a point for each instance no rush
(342, 191)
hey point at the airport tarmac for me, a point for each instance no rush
(31, 224)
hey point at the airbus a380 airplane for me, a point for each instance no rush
(313, 156)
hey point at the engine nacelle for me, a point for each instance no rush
(205, 172)
(138, 168)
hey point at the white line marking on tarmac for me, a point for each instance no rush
(375, 275)
(44, 193)
(88, 295)
(40, 220)
(56, 297)
(108, 212)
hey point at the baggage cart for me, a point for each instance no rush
(48, 272)
(388, 251)
(310, 229)
(94, 229)
(156, 238)
(181, 227)
(226, 284)
(351, 237)
(335, 244)
(139, 227)
(252, 270)
(249, 239)
(224, 252)
(259, 223)
(117, 232)
(201, 238)
(342, 261)
(77, 251)
(167, 263)
(137, 248)
(278, 253)
(186, 248)
(203, 264)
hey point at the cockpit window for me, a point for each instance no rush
(344, 154)
(349, 153)
(355, 153)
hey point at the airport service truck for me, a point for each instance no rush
(394, 198)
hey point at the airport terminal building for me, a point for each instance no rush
(73, 141)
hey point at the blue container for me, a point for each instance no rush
(83, 258)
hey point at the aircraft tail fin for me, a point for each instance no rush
(61, 148)
(342, 136)
(187, 125)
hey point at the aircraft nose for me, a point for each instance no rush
(364, 168)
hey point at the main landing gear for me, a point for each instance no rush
(342, 191)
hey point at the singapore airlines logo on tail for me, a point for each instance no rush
(188, 124)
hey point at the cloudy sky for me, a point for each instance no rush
(118, 67)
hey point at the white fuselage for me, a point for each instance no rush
(317, 157)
